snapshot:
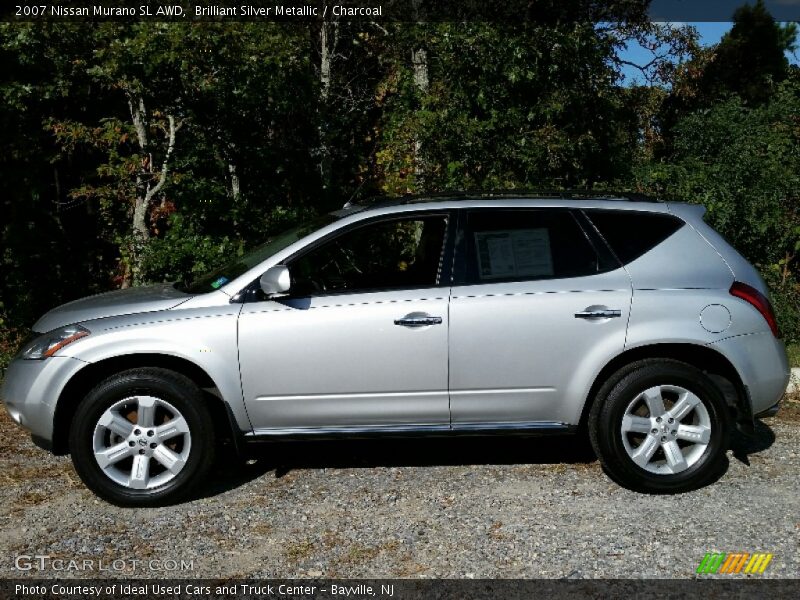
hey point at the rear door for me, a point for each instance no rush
(538, 306)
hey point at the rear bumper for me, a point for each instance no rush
(770, 412)
(761, 362)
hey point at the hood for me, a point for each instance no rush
(110, 304)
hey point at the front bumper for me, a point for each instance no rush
(31, 389)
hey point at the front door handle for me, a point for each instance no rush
(417, 320)
(598, 313)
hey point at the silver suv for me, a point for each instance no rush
(632, 320)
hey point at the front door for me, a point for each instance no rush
(360, 343)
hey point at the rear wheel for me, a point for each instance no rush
(660, 426)
(142, 438)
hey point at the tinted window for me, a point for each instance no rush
(400, 253)
(516, 245)
(630, 234)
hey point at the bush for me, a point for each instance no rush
(785, 292)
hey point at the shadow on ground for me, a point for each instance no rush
(743, 445)
(282, 457)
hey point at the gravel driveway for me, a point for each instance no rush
(480, 508)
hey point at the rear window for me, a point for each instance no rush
(632, 233)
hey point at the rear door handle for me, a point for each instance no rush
(604, 313)
(418, 321)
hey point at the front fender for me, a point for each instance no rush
(206, 338)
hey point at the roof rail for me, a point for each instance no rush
(488, 194)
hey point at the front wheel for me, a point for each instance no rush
(660, 426)
(142, 438)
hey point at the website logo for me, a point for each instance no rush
(735, 562)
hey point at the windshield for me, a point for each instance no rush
(219, 277)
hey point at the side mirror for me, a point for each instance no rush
(276, 280)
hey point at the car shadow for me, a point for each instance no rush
(743, 445)
(280, 458)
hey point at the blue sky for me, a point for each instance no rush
(710, 33)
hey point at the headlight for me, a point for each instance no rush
(51, 342)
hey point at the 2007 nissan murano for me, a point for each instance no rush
(632, 319)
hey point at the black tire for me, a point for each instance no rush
(177, 390)
(614, 397)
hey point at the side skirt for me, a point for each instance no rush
(531, 428)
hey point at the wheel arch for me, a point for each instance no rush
(711, 361)
(93, 373)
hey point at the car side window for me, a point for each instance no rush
(391, 254)
(631, 234)
(526, 244)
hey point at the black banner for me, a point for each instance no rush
(386, 10)
(394, 589)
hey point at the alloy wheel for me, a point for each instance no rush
(666, 429)
(141, 442)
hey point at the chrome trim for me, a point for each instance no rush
(418, 321)
(502, 391)
(598, 314)
(347, 430)
(509, 425)
(378, 395)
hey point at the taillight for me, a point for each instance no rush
(759, 301)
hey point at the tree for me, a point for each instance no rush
(750, 60)
(137, 68)
(50, 248)
(523, 105)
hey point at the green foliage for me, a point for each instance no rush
(184, 253)
(743, 164)
(522, 105)
(785, 292)
(793, 352)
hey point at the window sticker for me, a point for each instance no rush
(514, 253)
(219, 282)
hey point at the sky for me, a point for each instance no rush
(710, 33)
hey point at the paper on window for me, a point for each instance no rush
(511, 253)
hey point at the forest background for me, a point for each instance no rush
(143, 152)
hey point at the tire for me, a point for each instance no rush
(637, 444)
(152, 432)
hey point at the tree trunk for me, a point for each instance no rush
(139, 230)
(235, 185)
(419, 62)
(148, 185)
(329, 38)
